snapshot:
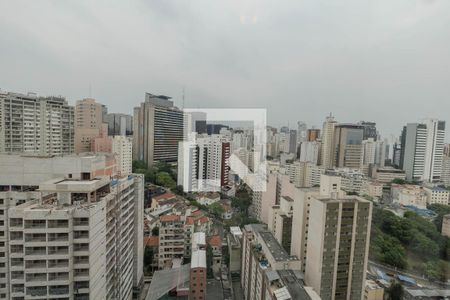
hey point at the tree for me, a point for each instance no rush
(138, 165)
(179, 190)
(398, 181)
(216, 209)
(395, 291)
(155, 231)
(148, 259)
(164, 179)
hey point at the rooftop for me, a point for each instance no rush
(166, 280)
(198, 259)
(215, 240)
(169, 218)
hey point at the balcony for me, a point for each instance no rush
(58, 237)
(58, 224)
(59, 290)
(58, 250)
(36, 238)
(60, 263)
(35, 251)
(59, 276)
(35, 224)
(34, 277)
(37, 291)
(36, 264)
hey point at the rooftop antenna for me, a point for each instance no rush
(90, 90)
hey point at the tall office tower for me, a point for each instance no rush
(328, 148)
(422, 149)
(88, 122)
(204, 165)
(67, 224)
(348, 146)
(309, 152)
(39, 125)
(312, 135)
(119, 124)
(301, 132)
(338, 246)
(369, 130)
(293, 141)
(122, 148)
(396, 155)
(157, 129)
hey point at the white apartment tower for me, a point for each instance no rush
(122, 148)
(39, 125)
(203, 165)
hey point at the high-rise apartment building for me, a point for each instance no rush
(122, 148)
(88, 123)
(422, 148)
(348, 146)
(328, 147)
(338, 244)
(71, 231)
(203, 165)
(268, 271)
(119, 124)
(39, 125)
(171, 240)
(157, 129)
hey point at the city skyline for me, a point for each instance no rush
(296, 55)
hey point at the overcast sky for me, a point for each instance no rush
(381, 60)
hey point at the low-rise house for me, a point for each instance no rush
(207, 198)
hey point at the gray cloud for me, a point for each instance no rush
(386, 61)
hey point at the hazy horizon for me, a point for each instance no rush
(380, 61)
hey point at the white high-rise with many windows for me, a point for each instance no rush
(39, 125)
(422, 150)
(122, 148)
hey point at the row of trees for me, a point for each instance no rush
(394, 239)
